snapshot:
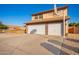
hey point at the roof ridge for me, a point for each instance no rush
(59, 8)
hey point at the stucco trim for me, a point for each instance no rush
(58, 19)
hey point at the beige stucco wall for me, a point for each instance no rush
(52, 15)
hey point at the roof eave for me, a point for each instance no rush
(38, 22)
(59, 8)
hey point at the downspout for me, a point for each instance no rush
(55, 9)
(64, 24)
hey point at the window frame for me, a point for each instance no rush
(40, 16)
(36, 17)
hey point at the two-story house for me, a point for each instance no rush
(48, 23)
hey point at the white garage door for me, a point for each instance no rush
(36, 29)
(55, 29)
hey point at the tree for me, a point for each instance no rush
(77, 24)
(74, 24)
(70, 24)
(2, 26)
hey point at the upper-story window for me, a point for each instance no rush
(36, 17)
(40, 16)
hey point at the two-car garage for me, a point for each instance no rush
(46, 29)
(49, 23)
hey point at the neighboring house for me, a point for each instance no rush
(15, 28)
(48, 23)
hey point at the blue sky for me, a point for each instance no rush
(18, 14)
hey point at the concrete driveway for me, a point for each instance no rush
(22, 44)
(29, 44)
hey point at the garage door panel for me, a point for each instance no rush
(36, 29)
(55, 29)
